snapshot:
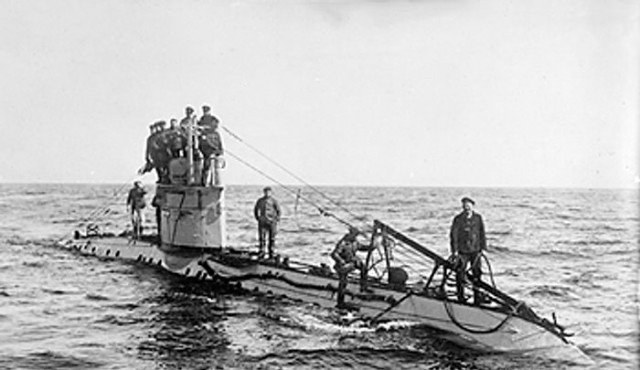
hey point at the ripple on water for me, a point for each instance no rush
(48, 360)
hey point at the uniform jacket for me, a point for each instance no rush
(345, 250)
(136, 198)
(267, 210)
(208, 123)
(210, 143)
(467, 234)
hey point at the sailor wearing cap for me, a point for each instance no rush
(210, 143)
(135, 205)
(208, 122)
(468, 240)
(346, 261)
(267, 213)
(184, 122)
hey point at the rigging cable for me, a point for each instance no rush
(486, 259)
(290, 190)
(448, 308)
(102, 210)
(317, 191)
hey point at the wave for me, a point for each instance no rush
(508, 272)
(523, 205)
(497, 248)
(57, 291)
(538, 253)
(124, 306)
(552, 291)
(499, 233)
(307, 229)
(412, 229)
(19, 240)
(35, 192)
(34, 264)
(96, 297)
(48, 360)
(120, 320)
(16, 240)
(602, 228)
(561, 252)
(584, 280)
(564, 216)
(66, 221)
(593, 242)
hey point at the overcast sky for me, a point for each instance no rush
(417, 93)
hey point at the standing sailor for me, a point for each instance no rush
(209, 142)
(161, 152)
(177, 139)
(467, 243)
(184, 122)
(148, 157)
(208, 121)
(135, 205)
(267, 213)
(346, 261)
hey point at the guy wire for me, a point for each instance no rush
(290, 173)
(290, 190)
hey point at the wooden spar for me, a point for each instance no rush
(415, 245)
(441, 261)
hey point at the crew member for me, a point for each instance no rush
(346, 261)
(467, 243)
(208, 121)
(135, 204)
(177, 139)
(148, 158)
(184, 125)
(161, 152)
(267, 213)
(209, 141)
(184, 122)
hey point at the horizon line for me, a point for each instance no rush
(637, 187)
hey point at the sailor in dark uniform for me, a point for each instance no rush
(184, 125)
(346, 261)
(208, 121)
(210, 144)
(148, 157)
(467, 243)
(135, 204)
(161, 152)
(184, 122)
(267, 213)
(177, 139)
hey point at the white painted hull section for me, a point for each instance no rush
(517, 335)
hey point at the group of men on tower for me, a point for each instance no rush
(167, 143)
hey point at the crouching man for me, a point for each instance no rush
(346, 261)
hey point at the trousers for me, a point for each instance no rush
(465, 260)
(267, 236)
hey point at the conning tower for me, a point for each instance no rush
(190, 209)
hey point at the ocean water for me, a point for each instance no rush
(569, 251)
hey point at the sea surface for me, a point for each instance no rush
(569, 251)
